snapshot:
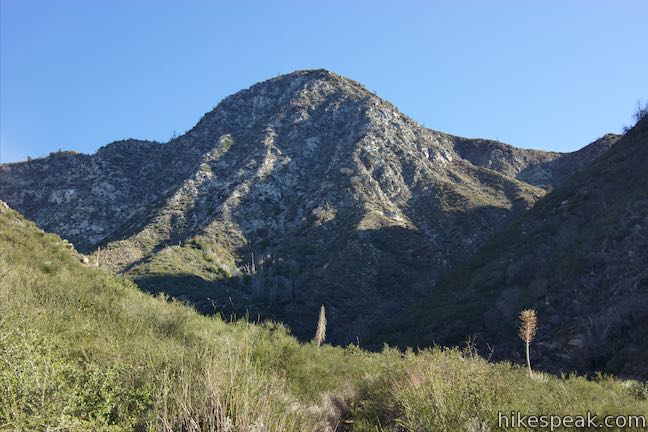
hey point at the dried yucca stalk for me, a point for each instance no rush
(528, 331)
(320, 333)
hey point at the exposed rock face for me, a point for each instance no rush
(300, 191)
(539, 168)
(87, 198)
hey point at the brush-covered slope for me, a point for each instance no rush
(579, 257)
(302, 190)
(539, 168)
(84, 350)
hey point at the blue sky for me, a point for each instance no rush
(544, 74)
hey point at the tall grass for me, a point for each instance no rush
(84, 350)
(452, 390)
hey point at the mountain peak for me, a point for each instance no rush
(311, 73)
(300, 78)
(309, 174)
(287, 100)
(307, 75)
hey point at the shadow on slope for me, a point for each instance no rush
(361, 276)
(579, 257)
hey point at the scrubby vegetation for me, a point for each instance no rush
(578, 258)
(83, 349)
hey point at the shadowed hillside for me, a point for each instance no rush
(579, 257)
(84, 350)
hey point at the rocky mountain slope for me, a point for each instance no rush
(302, 190)
(539, 168)
(82, 349)
(579, 257)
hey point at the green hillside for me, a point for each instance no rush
(579, 257)
(83, 350)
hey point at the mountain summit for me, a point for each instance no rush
(303, 190)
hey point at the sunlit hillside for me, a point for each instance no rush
(84, 350)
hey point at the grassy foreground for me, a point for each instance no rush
(82, 349)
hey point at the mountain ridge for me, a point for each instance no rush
(124, 149)
(578, 257)
(301, 190)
